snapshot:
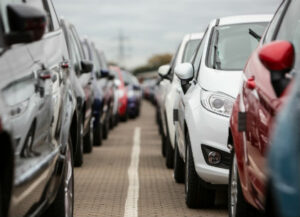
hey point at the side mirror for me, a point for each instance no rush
(111, 77)
(104, 73)
(27, 24)
(185, 72)
(86, 66)
(164, 70)
(278, 57)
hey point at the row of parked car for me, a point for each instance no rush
(217, 107)
(58, 99)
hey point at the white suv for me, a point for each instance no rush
(211, 83)
(184, 54)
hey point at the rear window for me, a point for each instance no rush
(231, 45)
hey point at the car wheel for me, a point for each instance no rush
(116, 120)
(163, 146)
(196, 195)
(63, 205)
(98, 134)
(88, 138)
(111, 122)
(272, 208)
(237, 205)
(126, 116)
(1, 200)
(178, 166)
(169, 154)
(105, 129)
(78, 158)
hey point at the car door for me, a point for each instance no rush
(261, 104)
(27, 96)
(196, 62)
(51, 56)
(24, 102)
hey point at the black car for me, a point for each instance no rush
(108, 86)
(81, 81)
(36, 112)
(103, 86)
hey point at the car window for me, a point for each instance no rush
(97, 66)
(190, 50)
(75, 55)
(42, 5)
(77, 40)
(198, 56)
(274, 23)
(102, 59)
(54, 20)
(86, 50)
(289, 29)
(232, 45)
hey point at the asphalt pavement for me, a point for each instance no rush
(127, 177)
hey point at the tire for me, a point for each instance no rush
(111, 122)
(116, 120)
(105, 129)
(88, 139)
(163, 146)
(169, 154)
(1, 201)
(272, 208)
(196, 195)
(125, 118)
(78, 157)
(63, 204)
(178, 166)
(98, 135)
(237, 205)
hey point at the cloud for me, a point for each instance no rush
(150, 26)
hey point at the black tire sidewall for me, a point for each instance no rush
(78, 158)
(178, 166)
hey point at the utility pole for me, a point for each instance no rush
(122, 45)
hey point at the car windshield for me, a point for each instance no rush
(232, 45)
(190, 50)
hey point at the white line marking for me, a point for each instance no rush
(131, 205)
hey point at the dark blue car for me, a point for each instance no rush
(134, 94)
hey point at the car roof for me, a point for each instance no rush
(244, 19)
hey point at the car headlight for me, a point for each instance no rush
(217, 102)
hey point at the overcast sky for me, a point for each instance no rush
(149, 26)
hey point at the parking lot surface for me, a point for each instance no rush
(102, 186)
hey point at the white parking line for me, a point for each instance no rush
(131, 205)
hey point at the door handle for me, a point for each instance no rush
(251, 83)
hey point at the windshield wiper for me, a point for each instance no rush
(255, 35)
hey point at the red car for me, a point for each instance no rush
(264, 88)
(122, 92)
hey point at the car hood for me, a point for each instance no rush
(227, 82)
